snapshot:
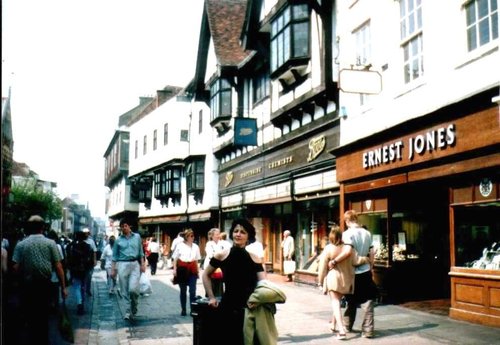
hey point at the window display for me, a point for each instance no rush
(477, 236)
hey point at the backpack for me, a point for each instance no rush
(79, 257)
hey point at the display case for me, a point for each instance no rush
(475, 269)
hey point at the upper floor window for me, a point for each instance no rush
(195, 173)
(155, 139)
(136, 149)
(289, 35)
(482, 22)
(173, 184)
(165, 134)
(261, 86)
(145, 145)
(184, 135)
(363, 53)
(200, 121)
(220, 99)
(412, 39)
(159, 185)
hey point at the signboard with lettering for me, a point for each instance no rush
(443, 140)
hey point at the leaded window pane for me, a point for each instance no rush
(301, 39)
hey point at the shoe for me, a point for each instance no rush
(341, 336)
(79, 309)
(183, 313)
(368, 335)
(331, 327)
(127, 316)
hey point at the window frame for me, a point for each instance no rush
(411, 32)
(165, 134)
(261, 86)
(490, 18)
(220, 90)
(285, 39)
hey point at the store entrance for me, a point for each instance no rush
(411, 242)
(419, 224)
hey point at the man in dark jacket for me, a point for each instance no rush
(80, 261)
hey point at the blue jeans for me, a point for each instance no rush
(79, 289)
(192, 291)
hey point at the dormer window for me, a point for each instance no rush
(220, 100)
(289, 38)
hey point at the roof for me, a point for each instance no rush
(226, 18)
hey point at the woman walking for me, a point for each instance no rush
(339, 280)
(185, 261)
(213, 246)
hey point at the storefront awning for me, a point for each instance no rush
(200, 217)
(163, 219)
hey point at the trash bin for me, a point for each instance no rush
(205, 326)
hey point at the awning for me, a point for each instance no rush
(200, 217)
(163, 219)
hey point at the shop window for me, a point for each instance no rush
(477, 236)
(376, 223)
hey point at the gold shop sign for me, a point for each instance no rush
(229, 178)
(250, 173)
(280, 162)
(316, 146)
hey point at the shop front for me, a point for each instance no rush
(291, 188)
(428, 190)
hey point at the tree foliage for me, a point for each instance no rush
(28, 199)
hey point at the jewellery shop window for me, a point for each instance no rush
(376, 223)
(477, 236)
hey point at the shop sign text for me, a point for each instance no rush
(440, 138)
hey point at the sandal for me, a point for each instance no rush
(341, 336)
(331, 327)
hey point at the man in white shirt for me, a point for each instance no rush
(288, 247)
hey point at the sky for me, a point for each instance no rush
(75, 66)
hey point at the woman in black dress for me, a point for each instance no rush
(240, 274)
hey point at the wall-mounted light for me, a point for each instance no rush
(343, 113)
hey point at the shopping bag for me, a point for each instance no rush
(289, 267)
(145, 285)
(64, 324)
(160, 264)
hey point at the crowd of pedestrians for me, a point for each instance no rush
(232, 271)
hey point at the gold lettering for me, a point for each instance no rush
(280, 162)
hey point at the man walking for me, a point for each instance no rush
(359, 239)
(34, 258)
(128, 262)
(91, 243)
(288, 247)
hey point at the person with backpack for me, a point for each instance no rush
(80, 260)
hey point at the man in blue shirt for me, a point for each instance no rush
(128, 262)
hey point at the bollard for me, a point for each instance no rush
(205, 320)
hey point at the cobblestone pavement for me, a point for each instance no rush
(301, 320)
